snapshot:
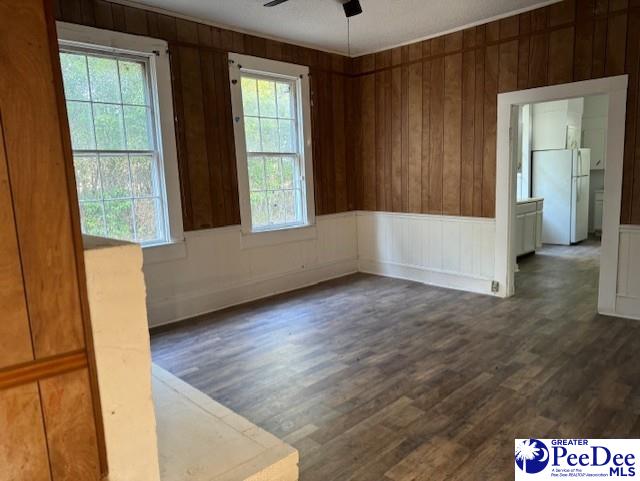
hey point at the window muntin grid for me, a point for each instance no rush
(117, 164)
(271, 136)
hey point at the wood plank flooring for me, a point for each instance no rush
(374, 378)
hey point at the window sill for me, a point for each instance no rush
(252, 240)
(170, 251)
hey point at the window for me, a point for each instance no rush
(112, 125)
(270, 106)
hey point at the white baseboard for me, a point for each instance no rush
(177, 308)
(627, 307)
(434, 277)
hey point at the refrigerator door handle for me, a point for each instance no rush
(577, 189)
(579, 162)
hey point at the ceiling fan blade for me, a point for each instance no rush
(273, 3)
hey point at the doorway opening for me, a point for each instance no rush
(560, 155)
(517, 180)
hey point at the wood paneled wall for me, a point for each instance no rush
(427, 138)
(50, 417)
(202, 105)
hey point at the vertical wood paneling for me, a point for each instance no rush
(468, 132)
(24, 447)
(194, 134)
(15, 321)
(368, 117)
(566, 41)
(599, 48)
(426, 128)
(71, 436)
(415, 137)
(478, 154)
(508, 80)
(583, 57)
(490, 119)
(436, 136)
(538, 60)
(396, 142)
(404, 96)
(339, 143)
(616, 44)
(561, 56)
(380, 141)
(215, 158)
(39, 189)
(632, 67)
(452, 134)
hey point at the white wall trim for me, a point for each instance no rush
(186, 306)
(442, 218)
(445, 251)
(616, 88)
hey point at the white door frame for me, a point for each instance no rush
(505, 259)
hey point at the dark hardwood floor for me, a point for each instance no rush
(374, 378)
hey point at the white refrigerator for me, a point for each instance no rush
(561, 177)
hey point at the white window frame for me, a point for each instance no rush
(155, 50)
(300, 73)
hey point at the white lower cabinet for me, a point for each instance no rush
(528, 228)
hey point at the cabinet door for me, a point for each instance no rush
(529, 232)
(519, 240)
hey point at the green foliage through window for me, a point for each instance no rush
(116, 162)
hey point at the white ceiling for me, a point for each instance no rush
(321, 23)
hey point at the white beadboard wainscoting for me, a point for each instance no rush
(628, 290)
(214, 269)
(447, 251)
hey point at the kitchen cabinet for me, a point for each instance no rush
(528, 225)
(597, 211)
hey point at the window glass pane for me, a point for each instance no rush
(81, 126)
(74, 75)
(288, 173)
(103, 75)
(286, 134)
(284, 100)
(252, 134)
(92, 218)
(115, 177)
(137, 128)
(147, 216)
(277, 207)
(87, 178)
(290, 206)
(142, 175)
(259, 210)
(119, 217)
(269, 131)
(109, 106)
(132, 81)
(273, 175)
(256, 173)
(267, 98)
(109, 128)
(249, 96)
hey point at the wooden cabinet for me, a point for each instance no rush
(50, 424)
(528, 226)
